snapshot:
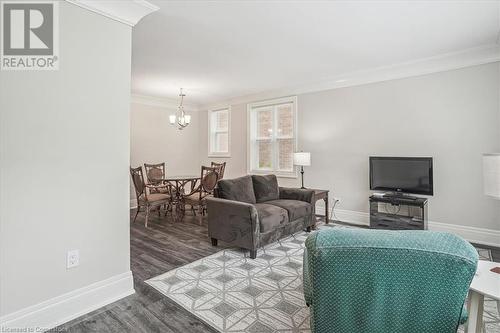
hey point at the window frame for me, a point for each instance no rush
(219, 154)
(275, 154)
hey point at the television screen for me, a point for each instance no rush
(402, 174)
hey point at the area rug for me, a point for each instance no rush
(236, 294)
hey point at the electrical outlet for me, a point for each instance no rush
(72, 259)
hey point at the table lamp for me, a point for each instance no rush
(491, 175)
(302, 159)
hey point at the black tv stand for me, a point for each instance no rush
(398, 212)
(397, 195)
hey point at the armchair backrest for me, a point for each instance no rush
(221, 167)
(387, 281)
(208, 179)
(138, 180)
(155, 173)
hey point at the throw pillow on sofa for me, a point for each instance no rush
(265, 188)
(238, 189)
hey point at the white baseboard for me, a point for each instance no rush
(133, 203)
(472, 234)
(352, 216)
(66, 307)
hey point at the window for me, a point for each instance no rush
(218, 132)
(272, 136)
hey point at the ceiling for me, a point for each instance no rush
(218, 50)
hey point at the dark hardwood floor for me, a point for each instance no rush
(164, 245)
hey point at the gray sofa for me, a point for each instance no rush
(253, 211)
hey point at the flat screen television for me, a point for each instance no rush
(401, 174)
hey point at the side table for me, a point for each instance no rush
(484, 283)
(322, 195)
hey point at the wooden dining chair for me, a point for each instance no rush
(221, 168)
(148, 200)
(156, 174)
(208, 181)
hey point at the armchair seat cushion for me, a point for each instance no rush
(296, 209)
(270, 216)
(162, 189)
(154, 197)
(195, 197)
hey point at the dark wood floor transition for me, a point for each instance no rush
(163, 246)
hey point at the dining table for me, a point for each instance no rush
(179, 184)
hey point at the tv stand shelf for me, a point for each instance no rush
(411, 213)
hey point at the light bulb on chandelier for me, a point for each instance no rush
(181, 119)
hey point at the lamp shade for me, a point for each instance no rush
(491, 175)
(302, 159)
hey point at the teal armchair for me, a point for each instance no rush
(378, 281)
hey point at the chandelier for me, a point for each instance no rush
(181, 119)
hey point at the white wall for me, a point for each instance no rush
(453, 116)
(64, 156)
(154, 140)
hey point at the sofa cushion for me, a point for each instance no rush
(265, 188)
(238, 189)
(296, 209)
(270, 216)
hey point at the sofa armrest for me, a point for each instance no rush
(297, 194)
(233, 222)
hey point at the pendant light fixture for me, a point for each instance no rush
(181, 119)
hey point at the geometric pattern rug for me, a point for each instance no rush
(233, 293)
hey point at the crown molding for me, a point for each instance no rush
(445, 62)
(125, 11)
(163, 102)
